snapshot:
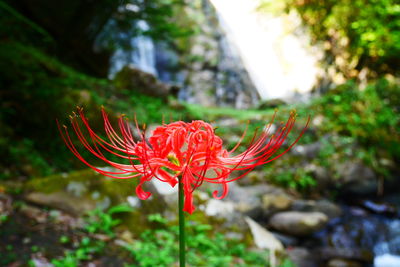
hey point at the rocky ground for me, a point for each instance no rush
(317, 205)
(51, 209)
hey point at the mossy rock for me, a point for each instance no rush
(135, 80)
(79, 192)
(271, 103)
(82, 191)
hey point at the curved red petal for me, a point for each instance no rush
(141, 193)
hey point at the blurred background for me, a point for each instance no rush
(333, 200)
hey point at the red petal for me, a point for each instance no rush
(141, 193)
(225, 190)
(188, 203)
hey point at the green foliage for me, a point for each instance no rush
(8, 257)
(369, 116)
(87, 247)
(356, 124)
(287, 263)
(29, 159)
(99, 221)
(159, 247)
(213, 113)
(336, 149)
(146, 109)
(3, 218)
(20, 28)
(158, 218)
(36, 88)
(364, 33)
(293, 178)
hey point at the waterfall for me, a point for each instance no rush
(141, 55)
(278, 60)
(238, 58)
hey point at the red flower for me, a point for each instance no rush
(179, 151)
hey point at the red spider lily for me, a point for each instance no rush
(190, 153)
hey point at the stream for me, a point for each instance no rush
(370, 229)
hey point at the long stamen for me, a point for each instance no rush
(189, 152)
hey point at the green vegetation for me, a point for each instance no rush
(368, 117)
(358, 34)
(37, 89)
(213, 113)
(86, 248)
(42, 79)
(50, 90)
(358, 119)
(99, 221)
(298, 180)
(158, 246)
(353, 124)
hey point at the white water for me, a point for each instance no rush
(142, 55)
(384, 249)
(387, 260)
(281, 64)
(144, 51)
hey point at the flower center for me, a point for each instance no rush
(171, 158)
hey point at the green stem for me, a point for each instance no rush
(182, 252)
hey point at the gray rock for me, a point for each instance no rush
(357, 178)
(309, 151)
(276, 201)
(133, 79)
(324, 206)
(81, 191)
(287, 240)
(353, 254)
(248, 199)
(214, 71)
(271, 103)
(321, 174)
(225, 210)
(302, 257)
(62, 201)
(343, 263)
(34, 213)
(298, 223)
(216, 207)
